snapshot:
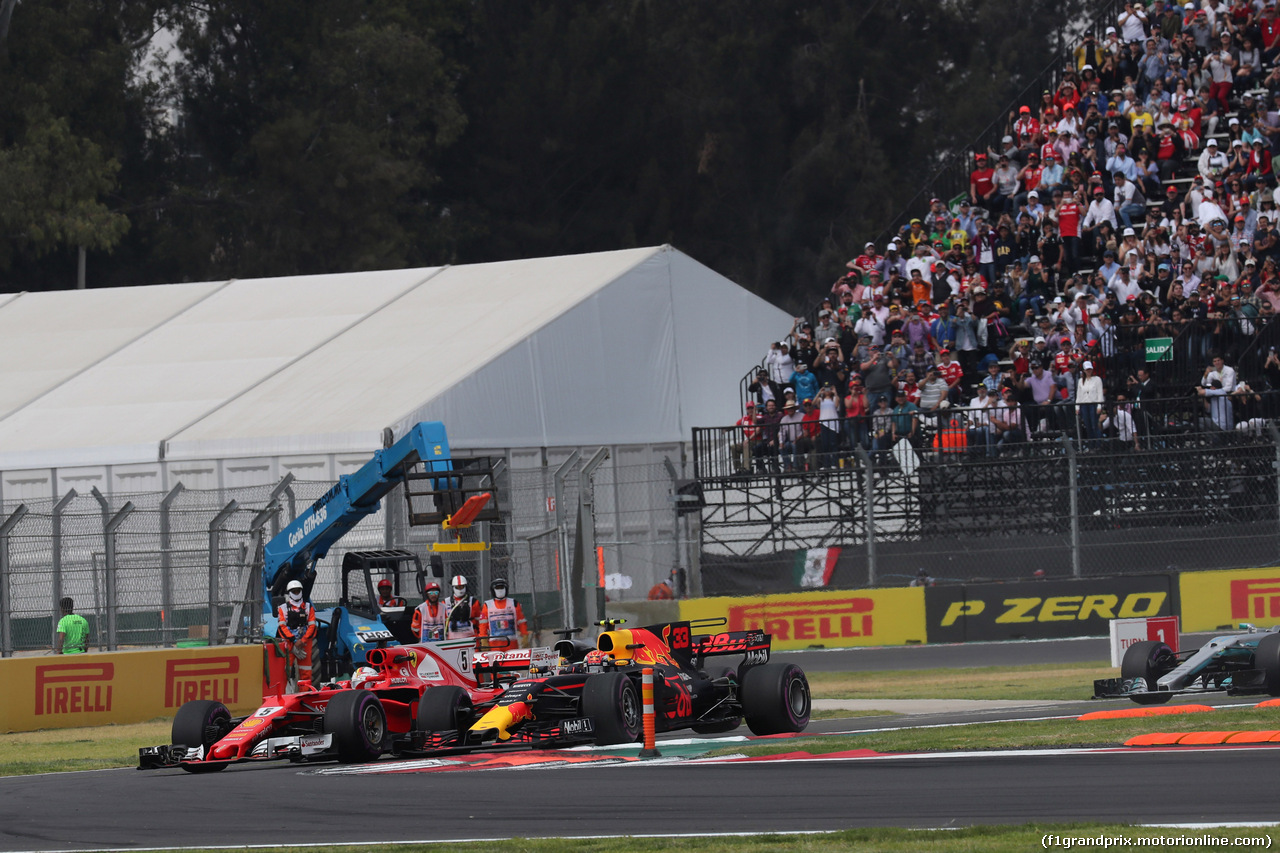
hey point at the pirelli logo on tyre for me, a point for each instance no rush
(1212, 600)
(832, 619)
(1044, 609)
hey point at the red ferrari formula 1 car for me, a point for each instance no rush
(350, 721)
(593, 692)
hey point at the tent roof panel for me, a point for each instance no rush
(215, 350)
(46, 338)
(409, 352)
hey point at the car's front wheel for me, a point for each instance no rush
(201, 722)
(443, 709)
(612, 702)
(1147, 660)
(358, 724)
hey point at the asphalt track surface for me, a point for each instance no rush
(288, 804)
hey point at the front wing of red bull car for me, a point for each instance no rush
(592, 692)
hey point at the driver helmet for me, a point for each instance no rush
(384, 588)
(459, 584)
(431, 587)
(362, 676)
(595, 659)
(498, 588)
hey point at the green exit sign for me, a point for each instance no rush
(1159, 349)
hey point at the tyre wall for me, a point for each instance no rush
(56, 692)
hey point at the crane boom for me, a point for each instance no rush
(309, 537)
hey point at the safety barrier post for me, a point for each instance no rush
(56, 554)
(112, 588)
(166, 565)
(215, 563)
(1073, 499)
(869, 499)
(6, 590)
(646, 698)
(564, 571)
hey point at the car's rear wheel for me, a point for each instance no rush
(730, 723)
(358, 724)
(201, 723)
(775, 698)
(443, 709)
(612, 702)
(1148, 660)
(1267, 659)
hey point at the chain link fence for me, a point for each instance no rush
(184, 567)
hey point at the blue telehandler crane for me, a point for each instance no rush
(436, 487)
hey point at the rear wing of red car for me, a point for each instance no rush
(491, 666)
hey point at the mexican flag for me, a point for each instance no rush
(813, 568)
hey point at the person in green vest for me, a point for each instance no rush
(73, 630)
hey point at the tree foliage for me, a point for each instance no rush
(766, 138)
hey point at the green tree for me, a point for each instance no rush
(53, 180)
(67, 93)
(310, 134)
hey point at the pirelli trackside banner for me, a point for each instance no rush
(1044, 609)
(62, 691)
(873, 617)
(1213, 600)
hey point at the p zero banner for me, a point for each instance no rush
(1212, 600)
(62, 691)
(870, 617)
(1044, 609)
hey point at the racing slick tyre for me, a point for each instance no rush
(1267, 659)
(445, 709)
(358, 724)
(719, 726)
(201, 722)
(1147, 660)
(612, 702)
(775, 698)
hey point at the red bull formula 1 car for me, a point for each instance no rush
(592, 692)
(351, 721)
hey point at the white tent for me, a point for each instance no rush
(135, 388)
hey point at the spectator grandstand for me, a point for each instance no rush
(1100, 266)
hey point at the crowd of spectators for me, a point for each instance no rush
(1136, 201)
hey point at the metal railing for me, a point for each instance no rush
(1180, 492)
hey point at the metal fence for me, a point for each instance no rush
(1180, 494)
(157, 569)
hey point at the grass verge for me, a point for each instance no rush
(977, 839)
(1019, 735)
(840, 715)
(1062, 681)
(23, 753)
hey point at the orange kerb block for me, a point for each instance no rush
(1152, 711)
(1270, 703)
(1253, 737)
(1155, 739)
(1200, 738)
